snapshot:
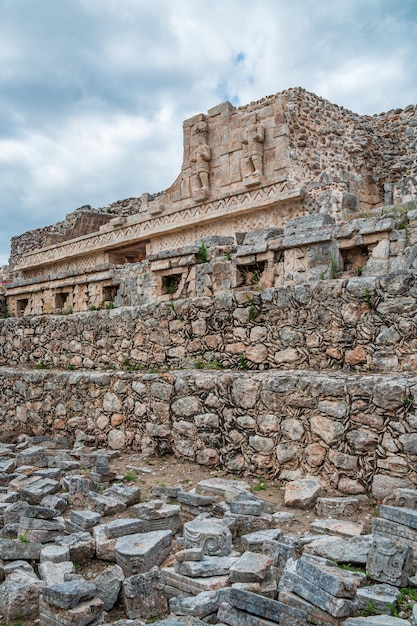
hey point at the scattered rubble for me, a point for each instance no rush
(83, 549)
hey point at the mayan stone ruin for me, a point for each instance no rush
(253, 325)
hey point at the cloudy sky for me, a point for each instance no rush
(93, 92)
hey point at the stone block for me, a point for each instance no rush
(143, 595)
(337, 527)
(255, 541)
(86, 613)
(245, 524)
(302, 493)
(315, 615)
(203, 604)
(398, 532)
(264, 607)
(11, 550)
(37, 490)
(337, 607)
(105, 548)
(399, 515)
(54, 553)
(219, 486)
(52, 573)
(376, 620)
(337, 507)
(245, 507)
(214, 539)
(193, 586)
(19, 596)
(390, 562)
(85, 519)
(207, 567)
(105, 505)
(383, 597)
(353, 550)
(81, 546)
(250, 567)
(126, 495)
(334, 580)
(138, 553)
(108, 585)
(123, 526)
(67, 595)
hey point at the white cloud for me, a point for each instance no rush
(93, 92)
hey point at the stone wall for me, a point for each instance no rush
(345, 428)
(361, 323)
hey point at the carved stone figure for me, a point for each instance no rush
(214, 539)
(254, 139)
(201, 157)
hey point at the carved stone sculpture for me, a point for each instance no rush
(253, 139)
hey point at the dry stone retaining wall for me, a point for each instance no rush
(360, 324)
(351, 430)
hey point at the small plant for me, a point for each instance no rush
(368, 301)
(172, 288)
(202, 253)
(402, 225)
(260, 486)
(71, 366)
(322, 276)
(130, 476)
(215, 364)
(93, 308)
(66, 311)
(368, 610)
(332, 266)
(252, 314)
(406, 402)
(359, 270)
(228, 256)
(110, 305)
(23, 537)
(243, 364)
(42, 365)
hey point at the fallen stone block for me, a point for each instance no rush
(236, 617)
(41, 512)
(55, 554)
(201, 605)
(383, 597)
(337, 607)
(85, 519)
(353, 550)
(126, 495)
(81, 546)
(302, 493)
(190, 554)
(13, 550)
(12, 513)
(52, 573)
(19, 595)
(35, 455)
(334, 580)
(181, 621)
(105, 548)
(245, 507)
(42, 487)
(108, 586)
(105, 505)
(280, 553)
(143, 595)
(265, 607)
(138, 553)
(219, 486)
(214, 539)
(250, 567)
(337, 507)
(390, 562)
(407, 517)
(337, 527)
(245, 524)
(11, 566)
(89, 612)
(254, 542)
(193, 586)
(315, 615)
(67, 595)
(123, 526)
(157, 515)
(208, 566)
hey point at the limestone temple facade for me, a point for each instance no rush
(278, 192)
